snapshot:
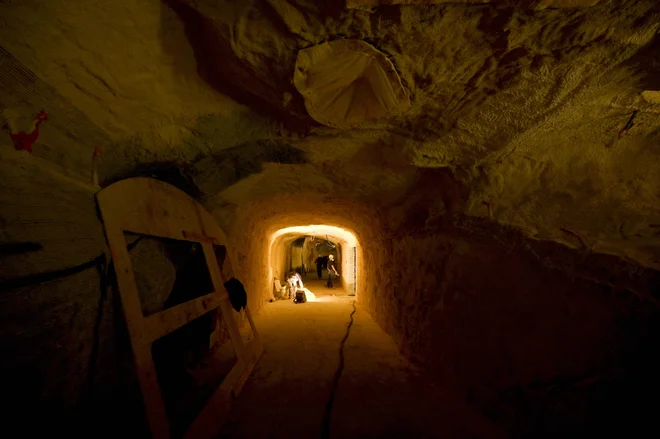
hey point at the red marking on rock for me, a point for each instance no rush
(24, 141)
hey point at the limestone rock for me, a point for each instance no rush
(651, 96)
(348, 82)
(47, 219)
(154, 274)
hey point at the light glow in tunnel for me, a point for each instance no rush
(347, 241)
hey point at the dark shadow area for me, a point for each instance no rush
(218, 65)
(168, 272)
(48, 276)
(190, 367)
(71, 365)
(189, 362)
(646, 63)
(14, 248)
(178, 174)
(113, 389)
(618, 398)
(436, 196)
(210, 174)
(545, 340)
(217, 172)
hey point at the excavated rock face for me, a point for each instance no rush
(522, 100)
(410, 124)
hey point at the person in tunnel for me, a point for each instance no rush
(332, 271)
(295, 282)
(319, 266)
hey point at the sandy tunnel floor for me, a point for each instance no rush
(379, 394)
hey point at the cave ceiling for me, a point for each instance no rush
(431, 107)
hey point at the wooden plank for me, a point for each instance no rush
(130, 300)
(151, 395)
(232, 327)
(225, 307)
(200, 238)
(155, 208)
(253, 354)
(252, 325)
(162, 323)
(213, 415)
(128, 292)
(152, 207)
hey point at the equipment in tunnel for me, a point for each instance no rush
(312, 245)
(629, 124)
(296, 287)
(328, 243)
(156, 209)
(348, 82)
(300, 297)
(237, 294)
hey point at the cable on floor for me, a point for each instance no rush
(327, 412)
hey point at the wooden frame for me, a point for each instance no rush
(151, 207)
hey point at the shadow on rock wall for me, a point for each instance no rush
(545, 341)
(220, 67)
(436, 196)
(71, 363)
(209, 175)
(646, 63)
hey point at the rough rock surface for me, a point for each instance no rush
(520, 104)
(535, 4)
(348, 82)
(524, 105)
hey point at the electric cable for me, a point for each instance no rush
(327, 412)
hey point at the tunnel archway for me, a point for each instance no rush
(296, 248)
(256, 225)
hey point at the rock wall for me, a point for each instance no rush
(535, 334)
(544, 339)
(67, 361)
(67, 358)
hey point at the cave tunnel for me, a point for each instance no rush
(305, 250)
(485, 174)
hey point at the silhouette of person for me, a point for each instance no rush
(332, 271)
(319, 266)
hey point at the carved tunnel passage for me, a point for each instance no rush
(494, 163)
(297, 248)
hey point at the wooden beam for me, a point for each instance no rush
(253, 353)
(154, 208)
(151, 395)
(225, 306)
(162, 323)
(213, 415)
(200, 238)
